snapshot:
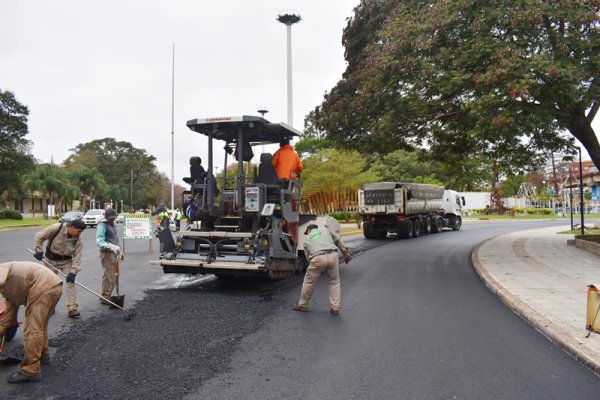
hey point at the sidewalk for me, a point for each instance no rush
(544, 280)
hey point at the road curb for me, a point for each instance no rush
(550, 330)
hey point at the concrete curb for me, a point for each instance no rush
(553, 332)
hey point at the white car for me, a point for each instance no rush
(93, 216)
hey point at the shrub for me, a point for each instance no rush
(10, 214)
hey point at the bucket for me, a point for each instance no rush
(593, 309)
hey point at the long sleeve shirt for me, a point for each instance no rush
(62, 245)
(287, 162)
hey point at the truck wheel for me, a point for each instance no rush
(416, 229)
(457, 224)
(428, 225)
(405, 230)
(369, 231)
(437, 225)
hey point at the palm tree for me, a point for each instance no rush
(90, 182)
(51, 181)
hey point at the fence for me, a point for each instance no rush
(319, 202)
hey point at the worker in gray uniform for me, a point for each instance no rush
(321, 249)
(63, 251)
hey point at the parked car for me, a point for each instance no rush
(70, 215)
(93, 216)
(120, 218)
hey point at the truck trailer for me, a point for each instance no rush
(408, 209)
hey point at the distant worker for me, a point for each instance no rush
(39, 289)
(110, 252)
(63, 251)
(320, 249)
(286, 161)
(178, 218)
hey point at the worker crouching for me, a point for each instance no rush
(39, 289)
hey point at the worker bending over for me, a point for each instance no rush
(39, 289)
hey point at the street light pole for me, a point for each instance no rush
(289, 18)
(581, 189)
(173, 133)
(571, 193)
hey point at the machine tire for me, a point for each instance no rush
(302, 264)
(457, 223)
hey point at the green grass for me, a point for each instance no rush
(578, 232)
(25, 223)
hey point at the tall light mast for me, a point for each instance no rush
(289, 18)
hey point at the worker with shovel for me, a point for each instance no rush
(63, 251)
(110, 252)
(39, 289)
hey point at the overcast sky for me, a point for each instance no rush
(90, 69)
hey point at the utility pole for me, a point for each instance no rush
(289, 18)
(173, 133)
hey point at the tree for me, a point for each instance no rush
(403, 166)
(15, 157)
(331, 170)
(312, 139)
(123, 165)
(51, 181)
(89, 181)
(494, 80)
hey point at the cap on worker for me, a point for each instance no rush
(311, 226)
(110, 212)
(77, 223)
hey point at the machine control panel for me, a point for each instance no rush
(254, 199)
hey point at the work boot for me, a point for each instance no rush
(298, 307)
(19, 377)
(334, 312)
(104, 302)
(74, 313)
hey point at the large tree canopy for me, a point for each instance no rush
(497, 80)
(15, 158)
(125, 168)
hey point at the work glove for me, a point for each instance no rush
(39, 255)
(114, 248)
(71, 278)
(347, 256)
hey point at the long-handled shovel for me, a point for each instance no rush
(118, 299)
(128, 313)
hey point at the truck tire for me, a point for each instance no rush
(405, 230)
(427, 226)
(457, 223)
(437, 225)
(369, 230)
(416, 228)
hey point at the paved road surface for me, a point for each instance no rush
(416, 323)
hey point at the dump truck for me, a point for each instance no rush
(247, 225)
(407, 209)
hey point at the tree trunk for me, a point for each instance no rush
(582, 130)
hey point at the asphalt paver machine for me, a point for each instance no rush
(245, 225)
